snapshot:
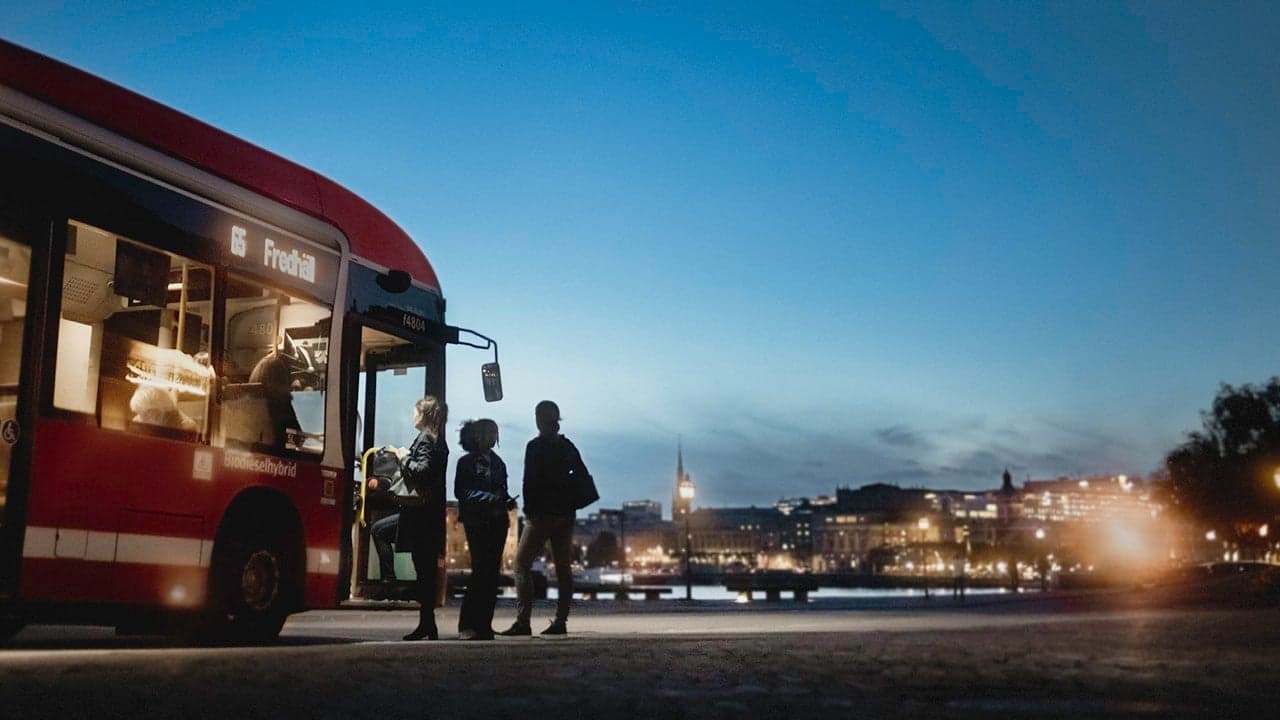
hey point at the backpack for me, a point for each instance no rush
(384, 464)
(578, 481)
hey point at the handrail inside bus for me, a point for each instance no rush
(364, 481)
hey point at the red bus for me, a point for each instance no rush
(198, 339)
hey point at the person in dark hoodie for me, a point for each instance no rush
(483, 504)
(549, 462)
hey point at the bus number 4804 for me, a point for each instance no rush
(413, 322)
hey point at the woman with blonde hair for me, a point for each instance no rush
(422, 530)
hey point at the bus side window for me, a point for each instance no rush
(133, 338)
(275, 362)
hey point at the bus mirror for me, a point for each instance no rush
(491, 376)
(394, 281)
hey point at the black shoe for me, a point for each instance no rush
(424, 631)
(557, 627)
(473, 635)
(517, 629)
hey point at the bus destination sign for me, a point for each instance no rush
(287, 260)
(291, 262)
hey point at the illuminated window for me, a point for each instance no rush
(274, 364)
(133, 338)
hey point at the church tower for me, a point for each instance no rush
(682, 496)
(1008, 497)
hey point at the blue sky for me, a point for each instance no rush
(825, 243)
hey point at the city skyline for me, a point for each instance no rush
(785, 498)
(911, 244)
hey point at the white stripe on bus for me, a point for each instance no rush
(95, 546)
(322, 561)
(157, 550)
(101, 546)
(39, 542)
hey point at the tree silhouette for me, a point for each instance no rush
(1224, 473)
(603, 551)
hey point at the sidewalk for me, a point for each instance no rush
(719, 664)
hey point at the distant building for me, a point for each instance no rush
(1108, 520)
(642, 511)
(844, 541)
(796, 526)
(881, 497)
(738, 537)
(638, 527)
(1086, 500)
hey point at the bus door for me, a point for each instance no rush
(17, 367)
(393, 374)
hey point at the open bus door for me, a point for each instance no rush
(393, 373)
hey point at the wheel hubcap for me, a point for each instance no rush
(260, 580)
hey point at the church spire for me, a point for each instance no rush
(682, 493)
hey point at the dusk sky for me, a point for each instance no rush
(827, 245)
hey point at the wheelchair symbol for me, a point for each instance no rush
(10, 431)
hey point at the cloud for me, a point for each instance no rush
(741, 457)
(902, 436)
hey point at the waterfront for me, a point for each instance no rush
(712, 593)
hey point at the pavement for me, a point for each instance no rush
(1052, 656)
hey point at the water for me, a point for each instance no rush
(718, 592)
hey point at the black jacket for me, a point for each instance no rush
(480, 485)
(422, 527)
(547, 463)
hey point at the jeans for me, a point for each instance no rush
(384, 534)
(537, 531)
(485, 540)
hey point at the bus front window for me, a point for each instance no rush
(274, 365)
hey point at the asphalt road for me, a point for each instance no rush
(1041, 658)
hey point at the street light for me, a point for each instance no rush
(686, 494)
(1042, 563)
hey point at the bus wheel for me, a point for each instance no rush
(253, 591)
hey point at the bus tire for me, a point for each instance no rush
(253, 586)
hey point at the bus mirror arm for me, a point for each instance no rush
(490, 373)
